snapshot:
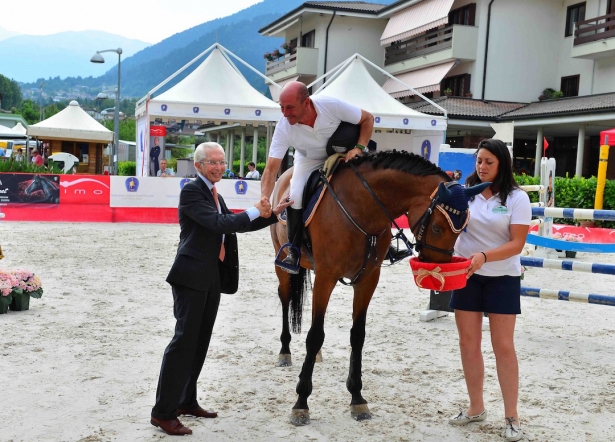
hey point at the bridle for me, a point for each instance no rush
(423, 221)
(420, 225)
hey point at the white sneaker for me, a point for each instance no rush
(513, 431)
(462, 418)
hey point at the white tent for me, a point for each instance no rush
(71, 124)
(214, 92)
(20, 129)
(355, 85)
(6, 132)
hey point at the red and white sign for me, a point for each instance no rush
(158, 131)
(84, 189)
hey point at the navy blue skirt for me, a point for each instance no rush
(489, 294)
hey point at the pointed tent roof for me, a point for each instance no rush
(355, 85)
(71, 123)
(215, 90)
(19, 129)
(11, 132)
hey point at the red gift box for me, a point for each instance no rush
(440, 277)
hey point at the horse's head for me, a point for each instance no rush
(34, 185)
(448, 214)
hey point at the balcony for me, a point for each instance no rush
(455, 42)
(304, 61)
(594, 38)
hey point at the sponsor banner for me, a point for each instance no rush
(142, 146)
(29, 188)
(164, 192)
(157, 136)
(84, 189)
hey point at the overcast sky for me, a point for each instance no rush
(150, 21)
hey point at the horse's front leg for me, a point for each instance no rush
(363, 293)
(315, 338)
(284, 358)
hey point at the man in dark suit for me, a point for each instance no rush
(206, 265)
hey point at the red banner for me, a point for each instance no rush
(84, 189)
(158, 131)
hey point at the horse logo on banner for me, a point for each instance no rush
(163, 107)
(132, 184)
(426, 149)
(241, 187)
(183, 182)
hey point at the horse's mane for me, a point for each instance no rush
(404, 161)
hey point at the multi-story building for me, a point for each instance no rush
(484, 61)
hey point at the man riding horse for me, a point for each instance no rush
(307, 125)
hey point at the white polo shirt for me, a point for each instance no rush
(311, 142)
(489, 228)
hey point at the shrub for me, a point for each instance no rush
(127, 168)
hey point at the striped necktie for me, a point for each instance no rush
(215, 192)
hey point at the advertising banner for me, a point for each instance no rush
(142, 146)
(164, 192)
(29, 188)
(84, 189)
(157, 136)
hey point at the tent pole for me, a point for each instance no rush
(242, 158)
(268, 141)
(264, 77)
(231, 151)
(255, 145)
(228, 143)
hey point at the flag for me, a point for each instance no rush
(545, 146)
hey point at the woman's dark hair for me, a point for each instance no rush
(505, 182)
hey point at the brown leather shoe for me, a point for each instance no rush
(198, 412)
(173, 427)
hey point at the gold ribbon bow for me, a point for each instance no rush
(435, 273)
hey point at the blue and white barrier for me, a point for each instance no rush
(559, 212)
(565, 295)
(573, 266)
(560, 244)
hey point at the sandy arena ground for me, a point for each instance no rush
(82, 363)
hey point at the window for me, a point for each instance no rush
(459, 85)
(570, 85)
(463, 16)
(308, 40)
(575, 13)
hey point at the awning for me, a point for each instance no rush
(416, 19)
(422, 80)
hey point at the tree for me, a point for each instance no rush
(10, 93)
(128, 129)
(29, 111)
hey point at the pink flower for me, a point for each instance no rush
(7, 283)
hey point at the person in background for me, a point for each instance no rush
(493, 241)
(206, 264)
(37, 158)
(253, 174)
(154, 153)
(164, 170)
(19, 155)
(1, 151)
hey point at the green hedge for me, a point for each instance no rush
(127, 168)
(259, 166)
(576, 193)
(23, 167)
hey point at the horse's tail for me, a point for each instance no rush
(298, 287)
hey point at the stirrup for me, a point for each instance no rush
(293, 270)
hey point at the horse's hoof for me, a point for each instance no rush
(300, 417)
(360, 412)
(319, 356)
(284, 360)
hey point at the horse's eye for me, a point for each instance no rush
(436, 229)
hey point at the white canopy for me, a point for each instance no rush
(214, 91)
(73, 124)
(356, 86)
(6, 132)
(18, 128)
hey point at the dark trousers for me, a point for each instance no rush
(183, 359)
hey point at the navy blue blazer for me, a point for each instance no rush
(197, 265)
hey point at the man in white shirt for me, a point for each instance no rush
(253, 173)
(164, 170)
(307, 125)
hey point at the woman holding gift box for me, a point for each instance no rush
(493, 240)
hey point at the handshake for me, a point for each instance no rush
(264, 206)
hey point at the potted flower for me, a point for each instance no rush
(288, 48)
(267, 56)
(8, 282)
(468, 94)
(26, 285)
(448, 92)
(276, 53)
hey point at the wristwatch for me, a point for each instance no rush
(363, 148)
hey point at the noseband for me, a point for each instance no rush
(419, 228)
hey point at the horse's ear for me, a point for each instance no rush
(444, 194)
(475, 190)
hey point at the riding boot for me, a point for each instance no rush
(394, 254)
(294, 228)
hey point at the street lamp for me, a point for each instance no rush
(97, 58)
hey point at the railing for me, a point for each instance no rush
(432, 41)
(598, 28)
(285, 62)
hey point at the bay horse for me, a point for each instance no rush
(51, 192)
(350, 234)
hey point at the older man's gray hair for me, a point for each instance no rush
(201, 151)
